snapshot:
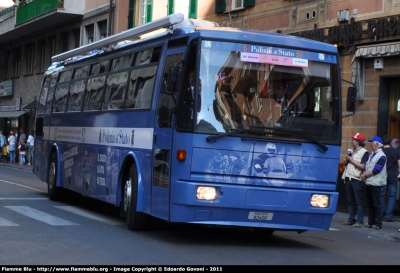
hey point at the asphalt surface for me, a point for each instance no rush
(338, 218)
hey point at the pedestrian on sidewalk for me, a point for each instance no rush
(2, 142)
(22, 150)
(12, 146)
(22, 135)
(374, 178)
(30, 143)
(354, 165)
(392, 170)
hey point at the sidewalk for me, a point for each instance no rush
(388, 228)
(339, 217)
(16, 165)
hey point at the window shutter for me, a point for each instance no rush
(131, 14)
(170, 7)
(193, 9)
(220, 6)
(249, 3)
(149, 11)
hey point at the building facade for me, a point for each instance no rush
(367, 33)
(32, 31)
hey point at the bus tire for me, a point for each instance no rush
(53, 191)
(135, 220)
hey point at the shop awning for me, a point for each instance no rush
(11, 114)
(378, 50)
(31, 105)
(369, 51)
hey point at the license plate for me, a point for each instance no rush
(263, 216)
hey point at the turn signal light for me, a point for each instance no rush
(181, 155)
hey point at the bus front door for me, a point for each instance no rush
(160, 195)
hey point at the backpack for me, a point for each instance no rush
(23, 147)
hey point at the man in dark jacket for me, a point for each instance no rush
(392, 170)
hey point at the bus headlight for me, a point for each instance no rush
(206, 193)
(320, 200)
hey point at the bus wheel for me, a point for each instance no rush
(135, 220)
(53, 191)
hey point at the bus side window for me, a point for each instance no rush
(130, 94)
(75, 97)
(65, 76)
(42, 99)
(121, 62)
(99, 68)
(50, 96)
(141, 87)
(148, 56)
(61, 98)
(94, 93)
(145, 92)
(115, 91)
(81, 72)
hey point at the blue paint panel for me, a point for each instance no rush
(268, 164)
(267, 198)
(234, 204)
(86, 171)
(105, 119)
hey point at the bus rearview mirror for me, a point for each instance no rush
(351, 99)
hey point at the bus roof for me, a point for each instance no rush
(249, 36)
(176, 25)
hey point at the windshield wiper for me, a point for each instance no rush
(269, 130)
(213, 138)
(293, 132)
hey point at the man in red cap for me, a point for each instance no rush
(355, 164)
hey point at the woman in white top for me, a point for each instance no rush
(12, 146)
(30, 143)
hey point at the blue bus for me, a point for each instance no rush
(189, 122)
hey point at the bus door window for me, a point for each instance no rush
(189, 101)
(161, 168)
(166, 103)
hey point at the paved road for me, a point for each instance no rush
(35, 230)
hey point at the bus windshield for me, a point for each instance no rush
(267, 91)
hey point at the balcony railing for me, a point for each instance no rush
(7, 13)
(30, 9)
